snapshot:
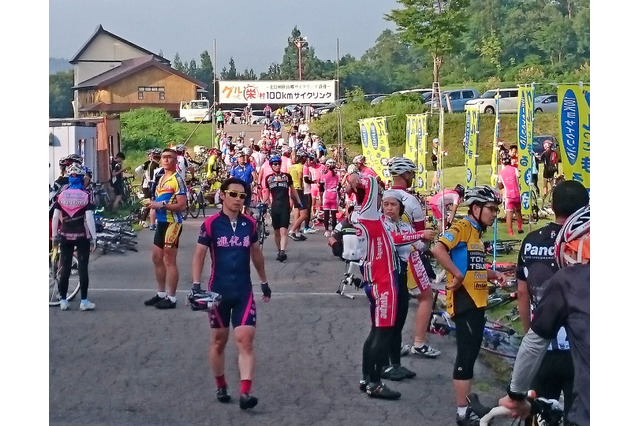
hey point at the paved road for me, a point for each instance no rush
(128, 364)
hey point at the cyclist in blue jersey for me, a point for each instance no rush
(170, 201)
(232, 239)
(245, 172)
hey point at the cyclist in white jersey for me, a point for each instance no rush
(402, 171)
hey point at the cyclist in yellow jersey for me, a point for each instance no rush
(461, 252)
(300, 214)
(171, 200)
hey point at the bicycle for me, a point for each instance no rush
(261, 222)
(497, 338)
(501, 246)
(196, 200)
(55, 269)
(544, 412)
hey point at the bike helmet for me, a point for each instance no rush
(75, 158)
(301, 154)
(286, 150)
(359, 159)
(352, 169)
(400, 165)
(436, 141)
(460, 190)
(246, 151)
(181, 148)
(311, 157)
(331, 163)
(275, 159)
(482, 194)
(573, 240)
(74, 169)
(395, 194)
(64, 162)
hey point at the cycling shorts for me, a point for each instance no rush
(237, 310)
(383, 297)
(315, 191)
(167, 235)
(418, 281)
(512, 204)
(330, 201)
(469, 333)
(118, 187)
(280, 217)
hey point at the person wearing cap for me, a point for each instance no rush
(246, 173)
(73, 228)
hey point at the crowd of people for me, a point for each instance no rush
(304, 186)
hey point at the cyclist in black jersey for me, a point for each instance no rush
(536, 264)
(280, 184)
(565, 302)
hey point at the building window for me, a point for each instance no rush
(140, 95)
(161, 95)
(142, 89)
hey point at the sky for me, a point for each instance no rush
(253, 32)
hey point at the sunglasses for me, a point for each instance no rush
(493, 208)
(276, 164)
(234, 194)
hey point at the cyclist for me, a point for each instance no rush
(170, 201)
(360, 162)
(232, 239)
(246, 173)
(461, 252)
(536, 264)
(404, 237)
(214, 166)
(380, 271)
(300, 213)
(308, 181)
(279, 185)
(508, 180)
(446, 201)
(565, 302)
(330, 183)
(315, 172)
(549, 159)
(73, 211)
(117, 182)
(402, 172)
(184, 167)
(286, 159)
(149, 167)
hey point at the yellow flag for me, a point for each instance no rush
(574, 112)
(525, 141)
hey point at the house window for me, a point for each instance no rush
(140, 95)
(161, 95)
(142, 89)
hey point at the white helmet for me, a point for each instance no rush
(359, 159)
(251, 140)
(436, 141)
(352, 169)
(74, 169)
(400, 165)
(482, 194)
(331, 163)
(246, 151)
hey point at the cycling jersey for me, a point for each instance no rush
(278, 184)
(213, 167)
(73, 203)
(286, 164)
(442, 201)
(368, 171)
(509, 178)
(467, 252)
(168, 191)
(244, 173)
(381, 264)
(413, 213)
(296, 174)
(230, 252)
(330, 197)
(536, 264)
(182, 165)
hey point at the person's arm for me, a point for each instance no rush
(404, 239)
(91, 226)
(258, 262)
(496, 276)
(441, 254)
(197, 263)
(55, 222)
(524, 308)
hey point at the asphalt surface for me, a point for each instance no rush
(128, 364)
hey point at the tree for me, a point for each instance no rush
(273, 73)
(192, 71)
(61, 94)
(177, 63)
(433, 24)
(232, 73)
(205, 72)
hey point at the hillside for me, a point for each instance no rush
(59, 64)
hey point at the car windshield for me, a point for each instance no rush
(489, 94)
(427, 96)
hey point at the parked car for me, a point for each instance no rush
(487, 102)
(379, 99)
(538, 148)
(330, 107)
(546, 103)
(458, 98)
(418, 91)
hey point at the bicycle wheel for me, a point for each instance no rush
(261, 232)
(500, 340)
(54, 279)
(194, 206)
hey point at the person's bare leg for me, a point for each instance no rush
(461, 388)
(510, 222)
(170, 255)
(157, 255)
(283, 238)
(276, 238)
(423, 315)
(219, 338)
(244, 335)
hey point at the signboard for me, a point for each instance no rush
(277, 92)
(574, 112)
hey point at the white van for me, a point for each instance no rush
(487, 102)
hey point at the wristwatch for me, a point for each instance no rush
(516, 396)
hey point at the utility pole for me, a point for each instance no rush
(300, 42)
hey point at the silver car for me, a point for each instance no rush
(546, 103)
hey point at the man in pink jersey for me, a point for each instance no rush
(446, 201)
(315, 172)
(508, 182)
